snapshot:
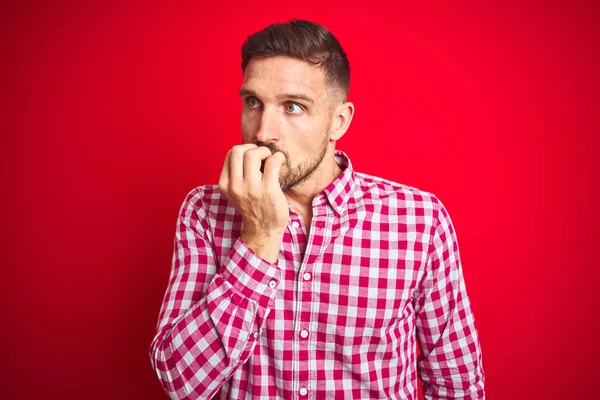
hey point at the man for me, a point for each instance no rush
(298, 277)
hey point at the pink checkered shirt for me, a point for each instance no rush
(337, 316)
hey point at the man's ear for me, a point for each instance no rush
(340, 123)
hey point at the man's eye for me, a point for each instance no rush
(293, 108)
(252, 102)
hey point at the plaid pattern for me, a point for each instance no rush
(338, 316)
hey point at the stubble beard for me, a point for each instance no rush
(302, 172)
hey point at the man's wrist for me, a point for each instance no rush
(265, 246)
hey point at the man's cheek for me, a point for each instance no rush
(247, 130)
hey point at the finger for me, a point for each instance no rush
(273, 166)
(224, 179)
(252, 162)
(236, 162)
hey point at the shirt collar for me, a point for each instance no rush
(339, 191)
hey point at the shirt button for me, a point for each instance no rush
(295, 224)
(303, 392)
(272, 284)
(304, 333)
(306, 276)
(255, 334)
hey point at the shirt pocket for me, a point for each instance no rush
(373, 295)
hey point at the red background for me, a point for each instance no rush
(112, 113)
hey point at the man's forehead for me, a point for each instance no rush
(279, 75)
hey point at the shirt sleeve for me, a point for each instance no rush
(450, 361)
(211, 314)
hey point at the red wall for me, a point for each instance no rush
(110, 115)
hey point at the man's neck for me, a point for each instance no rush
(302, 196)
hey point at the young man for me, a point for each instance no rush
(298, 277)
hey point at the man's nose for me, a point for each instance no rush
(268, 129)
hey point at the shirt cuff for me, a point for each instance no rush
(251, 275)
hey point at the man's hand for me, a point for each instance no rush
(257, 196)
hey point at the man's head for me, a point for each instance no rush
(308, 42)
(296, 81)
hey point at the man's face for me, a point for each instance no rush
(286, 108)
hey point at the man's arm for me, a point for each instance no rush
(211, 315)
(450, 362)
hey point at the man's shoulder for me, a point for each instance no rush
(375, 188)
(204, 197)
(205, 192)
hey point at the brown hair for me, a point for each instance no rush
(306, 41)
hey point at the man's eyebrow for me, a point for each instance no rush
(246, 92)
(295, 96)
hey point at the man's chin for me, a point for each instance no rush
(284, 179)
(285, 185)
